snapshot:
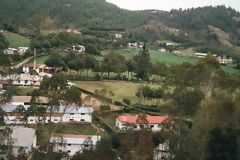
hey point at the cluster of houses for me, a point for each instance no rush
(25, 138)
(12, 51)
(221, 59)
(26, 78)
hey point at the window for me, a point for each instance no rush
(30, 120)
(69, 144)
(26, 81)
(82, 113)
(71, 113)
(60, 150)
(135, 126)
(71, 119)
(151, 126)
(69, 151)
(82, 120)
(55, 120)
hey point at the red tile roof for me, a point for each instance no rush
(133, 119)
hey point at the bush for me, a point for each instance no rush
(118, 103)
(127, 101)
(104, 108)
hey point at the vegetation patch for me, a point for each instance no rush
(16, 40)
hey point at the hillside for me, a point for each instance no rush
(208, 29)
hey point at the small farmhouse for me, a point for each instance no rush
(72, 143)
(125, 122)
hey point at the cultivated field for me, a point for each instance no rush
(16, 40)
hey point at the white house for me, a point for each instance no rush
(124, 122)
(22, 50)
(78, 48)
(27, 68)
(72, 143)
(10, 51)
(23, 138)
(161, 152)
(200, 55)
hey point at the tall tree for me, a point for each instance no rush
(143, 64)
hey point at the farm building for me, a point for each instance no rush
(124, 122)
(72, 143)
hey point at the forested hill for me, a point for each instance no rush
(65, 13)
(207, 26)
(33, 13)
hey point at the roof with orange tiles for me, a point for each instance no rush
(132, 119)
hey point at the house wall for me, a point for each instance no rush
(15, 150)
(76, 117)
(124, 126)
(66, 118)
(71, 149)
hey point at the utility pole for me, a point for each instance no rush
(34, 62)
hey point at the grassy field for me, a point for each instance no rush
(120, 89)
(16, 40)
(169, 59)
(41, 60)
(73, 129)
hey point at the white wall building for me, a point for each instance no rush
(10, 51)
(124, 122)
(23, 138)
(71, 143)
(62, 114)
(25, 79)
(161, 152)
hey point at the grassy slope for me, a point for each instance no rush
(169, 59)
(121, 89)
(16, 40)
